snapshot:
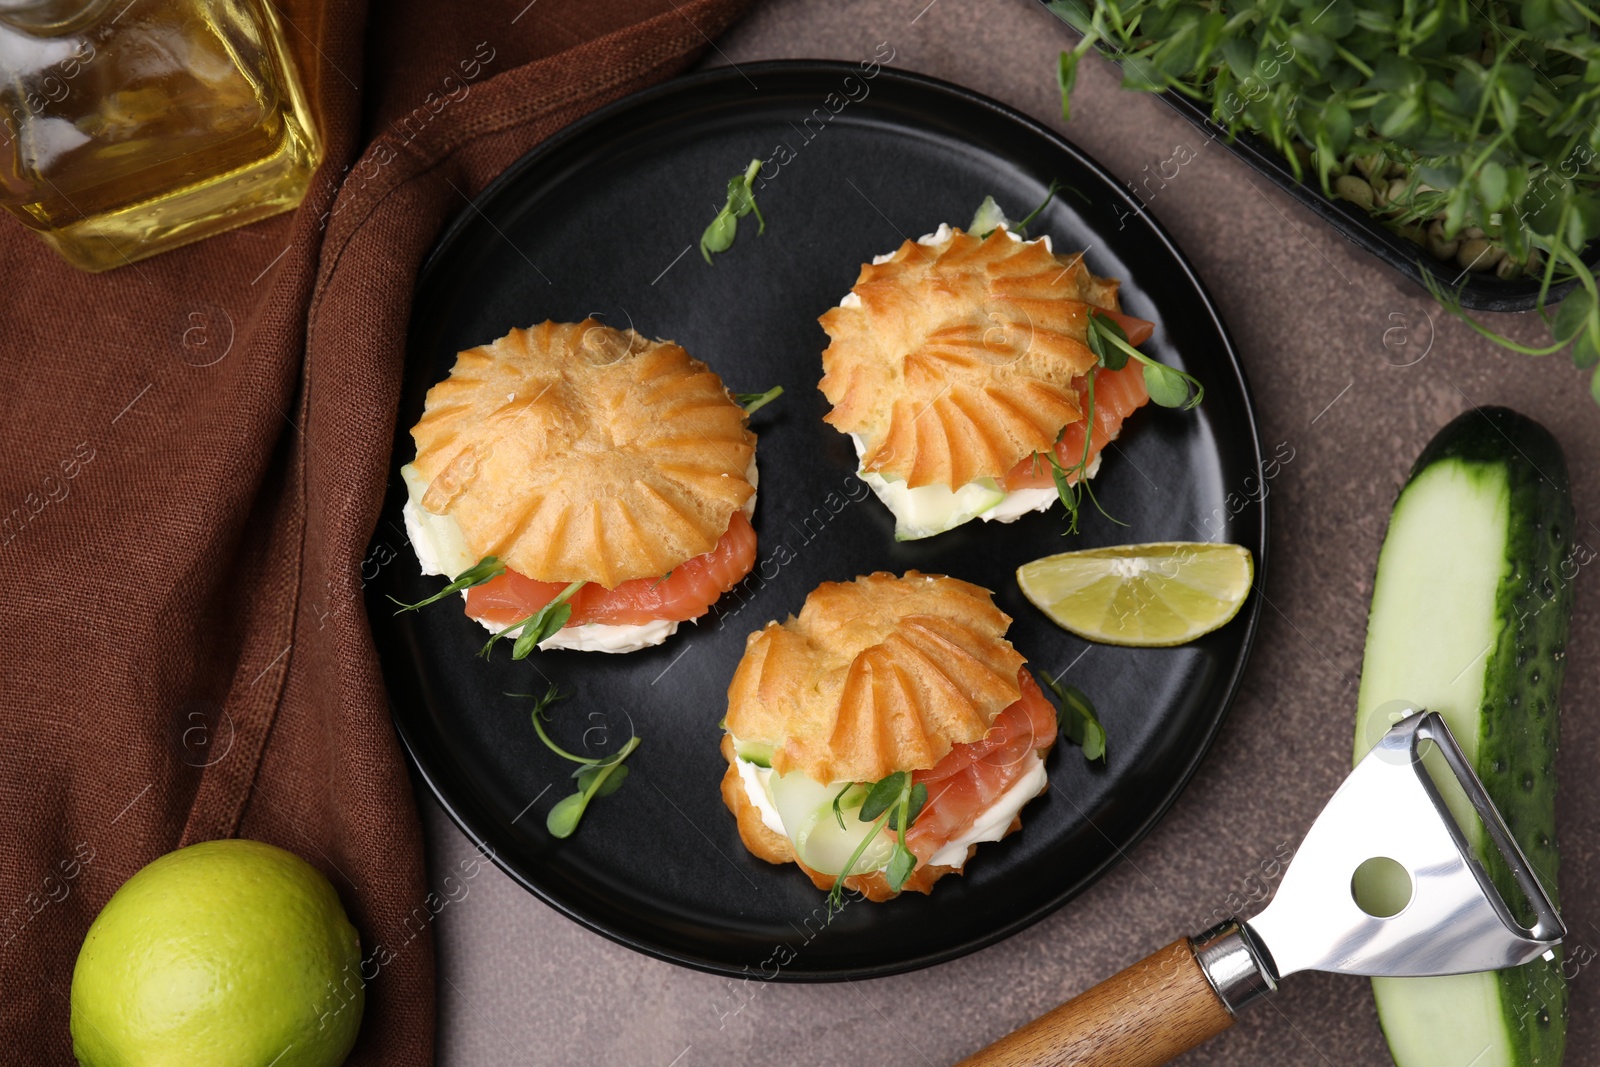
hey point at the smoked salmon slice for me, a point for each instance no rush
(970, 777)
(686, 593)
(1117, 394)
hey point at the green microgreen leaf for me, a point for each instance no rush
(901, 864)
(1572, 316)
(608, 784)
(482, 571)
(598, 781)
(719, 235)
(895, 801)
(1165, 385)
(1109, 355)
(989, 217)
(905, 811)
(537, 627)
(1077, 720)
(1168, 386)
(881, 795)
(754, 402)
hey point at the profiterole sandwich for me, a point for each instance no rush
(960, 367)
(576, 464)
(876, 738)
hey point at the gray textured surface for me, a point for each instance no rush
(520, 984)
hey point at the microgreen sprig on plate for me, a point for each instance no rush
(1077, 720)
(896, 802)
(597, 776)
(538, 626)
(718, 236)
(482, 571)
(754, 402)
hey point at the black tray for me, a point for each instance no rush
(1477, 291)
(602, 218)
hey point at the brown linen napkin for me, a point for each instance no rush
(195, 448)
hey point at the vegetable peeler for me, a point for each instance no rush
(1389, 812)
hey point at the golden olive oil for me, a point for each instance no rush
(137, 127)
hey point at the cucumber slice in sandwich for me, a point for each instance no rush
(754, 752)
(806, 808)
(931, 509)
(1469, 619)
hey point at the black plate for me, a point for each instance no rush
(601, 220)
(1476, 290)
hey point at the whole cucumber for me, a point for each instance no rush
(1469, 618)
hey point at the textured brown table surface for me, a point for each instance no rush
(1311, 314)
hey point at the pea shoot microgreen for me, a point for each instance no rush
(718, 236)
(536, 627)
(894, 802)
(754, 402)
(1168, 387)
(1468, 128)
(482, 571)
(596, 776)
(1077, 720)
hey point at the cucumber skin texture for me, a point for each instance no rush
(1518, 731)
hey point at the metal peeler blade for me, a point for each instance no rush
(1390, 809)
(1455, 922)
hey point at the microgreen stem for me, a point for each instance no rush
(836, 894)
(484, 570)
(754, 402)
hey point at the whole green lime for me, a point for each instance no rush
(222, 954)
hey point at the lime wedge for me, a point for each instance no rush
(1149, 596)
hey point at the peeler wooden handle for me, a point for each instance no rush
(1156, 1009)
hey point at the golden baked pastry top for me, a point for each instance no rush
(876, 675)
(577, 452)
(958, 361)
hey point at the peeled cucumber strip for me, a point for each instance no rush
(1469, 618)
(932, 509)
(442, 532)
(754, 752)
(806, 808)
(988, 217)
